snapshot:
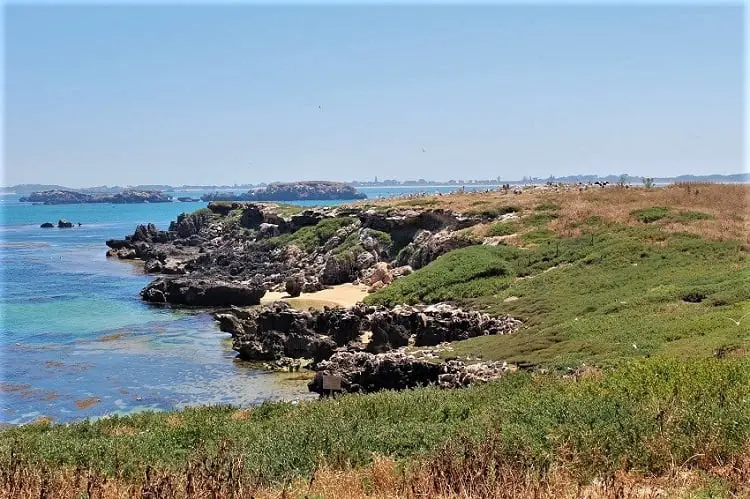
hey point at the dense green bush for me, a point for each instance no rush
(647, 414)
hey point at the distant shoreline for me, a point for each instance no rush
(741, 178)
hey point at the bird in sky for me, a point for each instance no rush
(423, 150)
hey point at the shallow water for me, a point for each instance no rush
(75, 339)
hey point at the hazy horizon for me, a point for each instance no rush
(242, 94)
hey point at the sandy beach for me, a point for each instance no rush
(343, 295)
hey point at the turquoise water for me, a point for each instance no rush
(75, 339)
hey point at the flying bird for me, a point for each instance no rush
(738, 322)
(423, 150)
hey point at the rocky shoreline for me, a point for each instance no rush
(230, 254)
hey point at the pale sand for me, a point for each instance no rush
(344, 295)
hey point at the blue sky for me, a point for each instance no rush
(246, 94)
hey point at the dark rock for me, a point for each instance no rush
(251, 217)
(64, 224)
(188, 225)
(153, 266)
(427, 246)
(47, 225)
(293, 286)
(363, 372)
(202, 292)
(339, 269)
(266, 230)
(390, 330)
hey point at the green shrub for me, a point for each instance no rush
(538, 219)
(547, 207)
(311, 237)
(649, 215)
(649, 415)
(418, 202)
(461, 273)
(503, 229)
(493, 212)
(689, 216)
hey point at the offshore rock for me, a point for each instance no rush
(73, 197)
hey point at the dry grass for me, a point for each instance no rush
(728, 204)
(476, 472)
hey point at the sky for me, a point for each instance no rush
(198, 94)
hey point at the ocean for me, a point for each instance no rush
(77, 342)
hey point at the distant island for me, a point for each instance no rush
(296, 191)
(229, 189)
(59, 196)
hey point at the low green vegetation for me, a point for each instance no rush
(656, 213)
(426, 202)
(646, 416)
(287, 210)
(311, 237)
(615, 293)
(503, 228)
(649, 215)
(547, 207)
(493, 212)
(689, 216)
(539, 219)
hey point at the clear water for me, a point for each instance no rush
(75, 339)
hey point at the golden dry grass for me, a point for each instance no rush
(727, 203)
(478, 471)
(439, 478)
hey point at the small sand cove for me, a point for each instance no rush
(343, 295)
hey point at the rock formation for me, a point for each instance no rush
(202, 292)
(363, 372)
(73, 197)
(292, 192)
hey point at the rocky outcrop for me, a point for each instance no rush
(73, 197)
(199, 292)
(276, 331)
(427, 246)
(294, 285)
(390, 328)
(169, 266)
(188, 225)
(64, 224)
(47, 225)
(292, 192)
(433, 324)
(403, 224)
(363, 372)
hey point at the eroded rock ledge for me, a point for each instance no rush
(363, 372)
(266, 244)
(335, 339)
